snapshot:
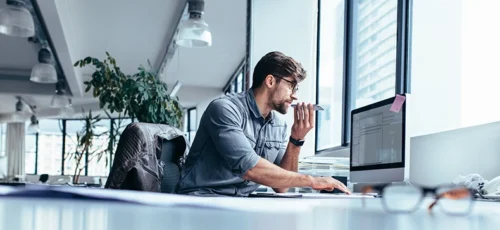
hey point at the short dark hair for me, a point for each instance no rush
(278, 64)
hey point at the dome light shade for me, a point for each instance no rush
(16, 20)
(44, 72)
(194, 33)
(60, 101)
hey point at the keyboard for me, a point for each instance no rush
(336, 195)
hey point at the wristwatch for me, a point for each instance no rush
(296, 142)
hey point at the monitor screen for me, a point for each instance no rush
(377, 137)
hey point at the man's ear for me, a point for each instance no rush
(269, 81)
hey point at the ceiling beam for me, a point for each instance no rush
(49, 16)
(42, 37)
(22, 85)
(170, 46)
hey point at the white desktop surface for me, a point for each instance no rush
(233, 213)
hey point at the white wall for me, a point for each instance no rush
(288, 26)
(454, 64)
(436, 77)
(202, 106)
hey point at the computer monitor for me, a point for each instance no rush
(380, 146)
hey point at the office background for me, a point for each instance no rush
(444, 59)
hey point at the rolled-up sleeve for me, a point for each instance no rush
(223, 123)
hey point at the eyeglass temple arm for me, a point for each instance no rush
(452, 194)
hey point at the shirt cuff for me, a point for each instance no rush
(248, 163)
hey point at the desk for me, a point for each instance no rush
(254, 213)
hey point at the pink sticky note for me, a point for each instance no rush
(398, 102)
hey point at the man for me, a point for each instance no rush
(241, 143)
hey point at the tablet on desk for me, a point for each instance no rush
(276, 195)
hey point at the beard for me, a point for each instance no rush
(278, 105)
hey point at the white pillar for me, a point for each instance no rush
(15, 149)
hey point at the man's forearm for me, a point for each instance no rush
(268, 174)
(290, 160)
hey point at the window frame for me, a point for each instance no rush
(232, 84)
(63, 150)
(403, 63)
(188, 125)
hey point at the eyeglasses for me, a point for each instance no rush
(453, 200)
(294, 84)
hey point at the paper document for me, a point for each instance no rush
(155, 199)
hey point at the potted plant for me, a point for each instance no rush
(142, 95)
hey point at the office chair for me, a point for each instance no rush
(44, 178)
(148, 158)
(170, 156)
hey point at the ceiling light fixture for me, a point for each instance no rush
(44, 71)
(16, 20)
(60, 100)
(194, 32)
(34, 127)
(19, 114)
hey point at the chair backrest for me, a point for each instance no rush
(147, 158)
(170, 156)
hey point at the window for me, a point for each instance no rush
(191, 124)
(373, 52)
(236, 83)
(98, 158)
(30, 149)
(50, 147)
(455, 47)
(70, 147)
(330, 73)
(45, 152)
(362, 55)
(3, 131)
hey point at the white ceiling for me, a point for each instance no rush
(213, 66)
(133, 32)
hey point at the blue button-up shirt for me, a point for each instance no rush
(231, 138)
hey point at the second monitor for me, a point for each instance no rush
(379, 143)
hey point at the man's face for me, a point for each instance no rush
(283, 94)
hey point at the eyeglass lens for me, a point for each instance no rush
(402, 198)
(455, 200)
(407, 198)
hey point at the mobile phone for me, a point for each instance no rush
(316, 107)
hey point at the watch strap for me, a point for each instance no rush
(296, 142)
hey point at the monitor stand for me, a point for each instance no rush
(405, 182)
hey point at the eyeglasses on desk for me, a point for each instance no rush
(453, 200)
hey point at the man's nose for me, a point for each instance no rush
(294, 96)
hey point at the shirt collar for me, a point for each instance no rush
(254, 109)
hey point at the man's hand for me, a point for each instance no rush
(328, 184)
(303, 120)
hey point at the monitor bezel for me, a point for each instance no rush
(385, 102)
